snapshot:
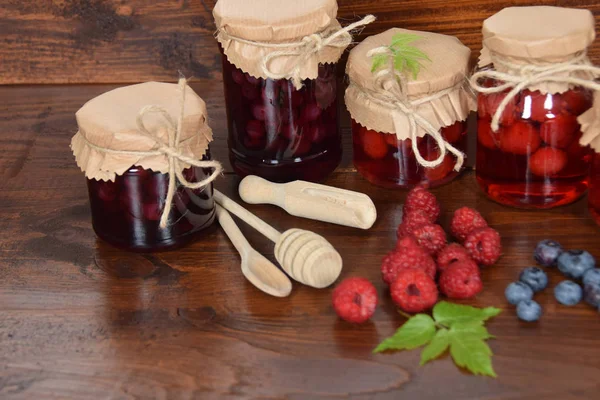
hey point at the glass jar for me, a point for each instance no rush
(126, 213)
(386, 161)
(534, 160)
(594, 193)
(280, 133)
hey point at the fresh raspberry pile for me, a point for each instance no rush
(422, 255)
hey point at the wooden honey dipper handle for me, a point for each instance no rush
(246, 216)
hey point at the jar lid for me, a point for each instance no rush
(542, 33)
(282, 40)
(448, 67)
(274, 20)
(109, 140)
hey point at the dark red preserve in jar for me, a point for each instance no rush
(279, 72)
(150, 187)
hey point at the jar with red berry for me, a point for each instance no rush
(534, 80)
(279, 72)
(590, 126)
(409, 100)
(147, 164)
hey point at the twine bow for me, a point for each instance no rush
(302, 50)
(391, 93)
(530, 74)
(171, 150)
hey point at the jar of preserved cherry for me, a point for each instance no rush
(409, 126)
(534, 80)
(279, 73)
(149, 174)
(590, 126)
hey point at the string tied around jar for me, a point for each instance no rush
(171, 149)
(391, 92)
(302, 50)
(523, 76)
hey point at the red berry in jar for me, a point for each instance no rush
(316, 133)
(547, 161)
(249, 91)
(577, 101)
(559, 131)
(374, 144)
(487, 105)
(255, 130)
(238, 76)
(454, 132)
(538, 106)
(485, 136)
(520, 138)
(311, 112)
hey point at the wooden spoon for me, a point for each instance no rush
(303, 255)
(261, 272)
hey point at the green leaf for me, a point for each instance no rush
(436, 347)
(412, 53)
(472, 353)
(402, 39)
(379, 61)
(414, 67)
(473, 329)
(415, 332)
(448, 314)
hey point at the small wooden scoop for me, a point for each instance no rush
(261, 272)
(312, 201)
(303, 255)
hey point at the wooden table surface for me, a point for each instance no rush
(80, 319)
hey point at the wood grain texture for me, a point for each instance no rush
(120, 41)
(82, 320)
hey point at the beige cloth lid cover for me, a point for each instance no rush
(274, 21)
(590, 125)
(109, 121)
(537, 34)
(449, 67)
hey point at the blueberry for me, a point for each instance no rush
(568, 293)
(546, 252)
(535, 278)
(591, 276)
(529, 310)
(591, 295)
(516, 292)
(574, 263)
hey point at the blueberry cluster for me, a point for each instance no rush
(574, 264)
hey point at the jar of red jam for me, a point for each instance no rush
(128, 166)
(409, 130)
(528, 150)
(279, 73)
(590, 126)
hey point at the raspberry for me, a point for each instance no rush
(412, 221)
(420, 199)
(485, 136)
(451, 254)
(465, 221)
(374, 144)
(547, 161)
(520, 138)
(411, 257)
(460, 281)
(407, 242)
(484, 246)
(431, 238)
(414, 291)
(355, 299)
(560, 131)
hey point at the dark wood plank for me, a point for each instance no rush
(79, 319)
(115, 41)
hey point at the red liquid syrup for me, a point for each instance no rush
(534, 160)
(387, 162)
(280, 133)
(594, 193)
(126, 213)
